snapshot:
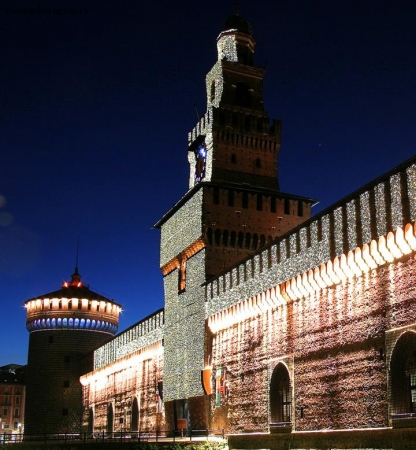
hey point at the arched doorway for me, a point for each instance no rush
(280, 397)
(403, 375)
(135, 415)
(110, 418)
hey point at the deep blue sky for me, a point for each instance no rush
(95, 109)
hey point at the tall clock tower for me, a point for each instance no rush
(233, 207)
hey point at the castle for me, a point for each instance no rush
(274, 321)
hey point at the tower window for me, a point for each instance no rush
(234, 158)
(230, 197)
(50, 339)
(232, 239)
(182, 277)
(217, 235)
(287, 206)
(242, 94)
(245, 200)
(258, 163)
(272, 204)
(300, 208)
(216, 196)
(259, 202)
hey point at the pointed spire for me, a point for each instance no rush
(75, 277)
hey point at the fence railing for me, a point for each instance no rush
(116, 436)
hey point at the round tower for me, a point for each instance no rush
(65, 327)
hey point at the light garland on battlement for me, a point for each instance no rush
(385, 250)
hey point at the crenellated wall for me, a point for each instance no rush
(140, 335)
(365, 216)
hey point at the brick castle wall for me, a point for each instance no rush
(333, 345)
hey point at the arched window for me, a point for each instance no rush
(403, 375)
(225, 238)
(232, 238)
(240, 239)
(110, 418)
(280, 396)
(248, 240)
(135, 415)
(209, 235)
(90, 421)
(255, 241)
(217, 236)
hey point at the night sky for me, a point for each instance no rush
(96, 102)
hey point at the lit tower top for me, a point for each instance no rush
(73, 307)
(235, 141)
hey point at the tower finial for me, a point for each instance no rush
(76, 277)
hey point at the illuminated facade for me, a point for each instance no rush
(65, 326)
(12, 399)
(274, 321)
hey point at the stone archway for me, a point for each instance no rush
(280, 397)
(135, 415)
(403, 375)
(110, 418)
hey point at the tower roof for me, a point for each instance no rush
(236, 22)
(74, 289)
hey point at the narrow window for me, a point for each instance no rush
(258, 162)
(182, 277)
(240, 239)
(216, 198)
(234, 158)
(273, 204)
(232, 239)
(300, 208)
(259, 202)
(287, 206)
(245, 200)
(230, 197)
(217, 236)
